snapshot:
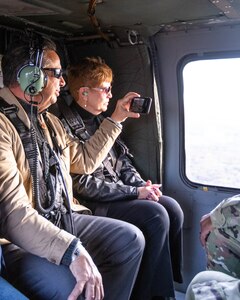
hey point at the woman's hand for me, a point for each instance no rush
(149, 191)
(121, 112)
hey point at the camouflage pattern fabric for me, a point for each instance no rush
(227, 214)
(223, 252)
(223, 256)
(211, 285)
(223, 243)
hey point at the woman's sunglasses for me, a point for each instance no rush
(106, 90)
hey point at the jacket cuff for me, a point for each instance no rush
(116, 123)
(67, 257)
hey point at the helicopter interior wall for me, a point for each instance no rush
(132, 72)
(194, 200)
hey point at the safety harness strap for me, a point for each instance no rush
(10, 111)
(74, 121)
(78, 128)
(56, 212)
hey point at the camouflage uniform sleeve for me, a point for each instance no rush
(227, 213)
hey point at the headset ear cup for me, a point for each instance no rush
(31, 79)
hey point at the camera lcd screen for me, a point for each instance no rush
(141, 105)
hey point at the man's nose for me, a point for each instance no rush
(62, 81)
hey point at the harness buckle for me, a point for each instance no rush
(12, 109)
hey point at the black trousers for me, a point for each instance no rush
(161, 224)
(115, 246)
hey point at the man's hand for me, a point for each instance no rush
(205, 228)
(88, 278)
(121, 112)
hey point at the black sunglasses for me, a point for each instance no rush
(57, 72)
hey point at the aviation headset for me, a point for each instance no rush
(31, 77)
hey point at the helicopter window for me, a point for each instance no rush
(211, 103)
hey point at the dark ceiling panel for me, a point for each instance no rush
(70, 18)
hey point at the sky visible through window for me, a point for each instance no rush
(212, 121)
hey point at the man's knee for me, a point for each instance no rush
(40, 279)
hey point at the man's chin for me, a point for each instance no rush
(105, 108)
(53, 100)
